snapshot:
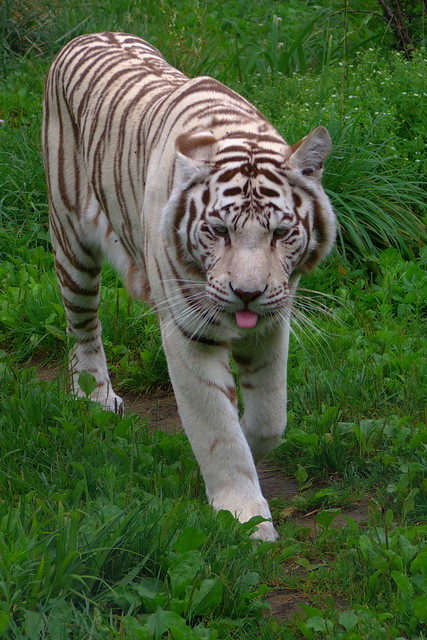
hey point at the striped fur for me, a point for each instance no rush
(190, 193)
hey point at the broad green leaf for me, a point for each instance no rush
(420, 607)
(407, 549)
(125, 598)
(305, 630)
(33, 624)
(201, 633)
(385, 616)
(301, 475)
(411, 467)
(351, 524)
(310, 611)
(226, 518)
(420, 563)
(304, 438)
(69, 427)
(249, 525)
(58, 622)
(403, 583)
(157, 623)
(348, 619)
(319, 624)
(373, 579)
(207, 597)
(148, 587)
(190, 539)
(409, 502)
(184, 570)
(123, 427)
(137, 630)
(100, 417)
(87, 382)
(177, 626)
(365, 546)
(327, 516)
(248, 581)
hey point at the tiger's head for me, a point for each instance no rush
(247, 216)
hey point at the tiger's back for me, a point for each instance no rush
(122, 105)
(208, 214)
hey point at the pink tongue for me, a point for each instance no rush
(246, 319)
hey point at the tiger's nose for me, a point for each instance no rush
(247, 296)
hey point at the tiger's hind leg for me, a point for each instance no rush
(77, 247)
(78, 266)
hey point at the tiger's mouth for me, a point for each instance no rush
(246, 319)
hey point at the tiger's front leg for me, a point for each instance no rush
(207, 404)
(80, 289)
(261, 363)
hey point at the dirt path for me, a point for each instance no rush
(162, 414)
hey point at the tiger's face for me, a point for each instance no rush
(249, 248)
(249, 229)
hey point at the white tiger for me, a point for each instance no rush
(209, 215)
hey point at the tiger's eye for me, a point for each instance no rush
(280, 231)
(220, 230)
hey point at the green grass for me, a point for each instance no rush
(96, 531)
(104, 528)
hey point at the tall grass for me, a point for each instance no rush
(270, 39)
(378, 203)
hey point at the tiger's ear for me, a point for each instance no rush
(194, 151)
(309, 154)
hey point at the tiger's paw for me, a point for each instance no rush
(265, 531)
(113, 403)
(106, 397)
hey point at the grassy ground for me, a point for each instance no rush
(104, 528)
